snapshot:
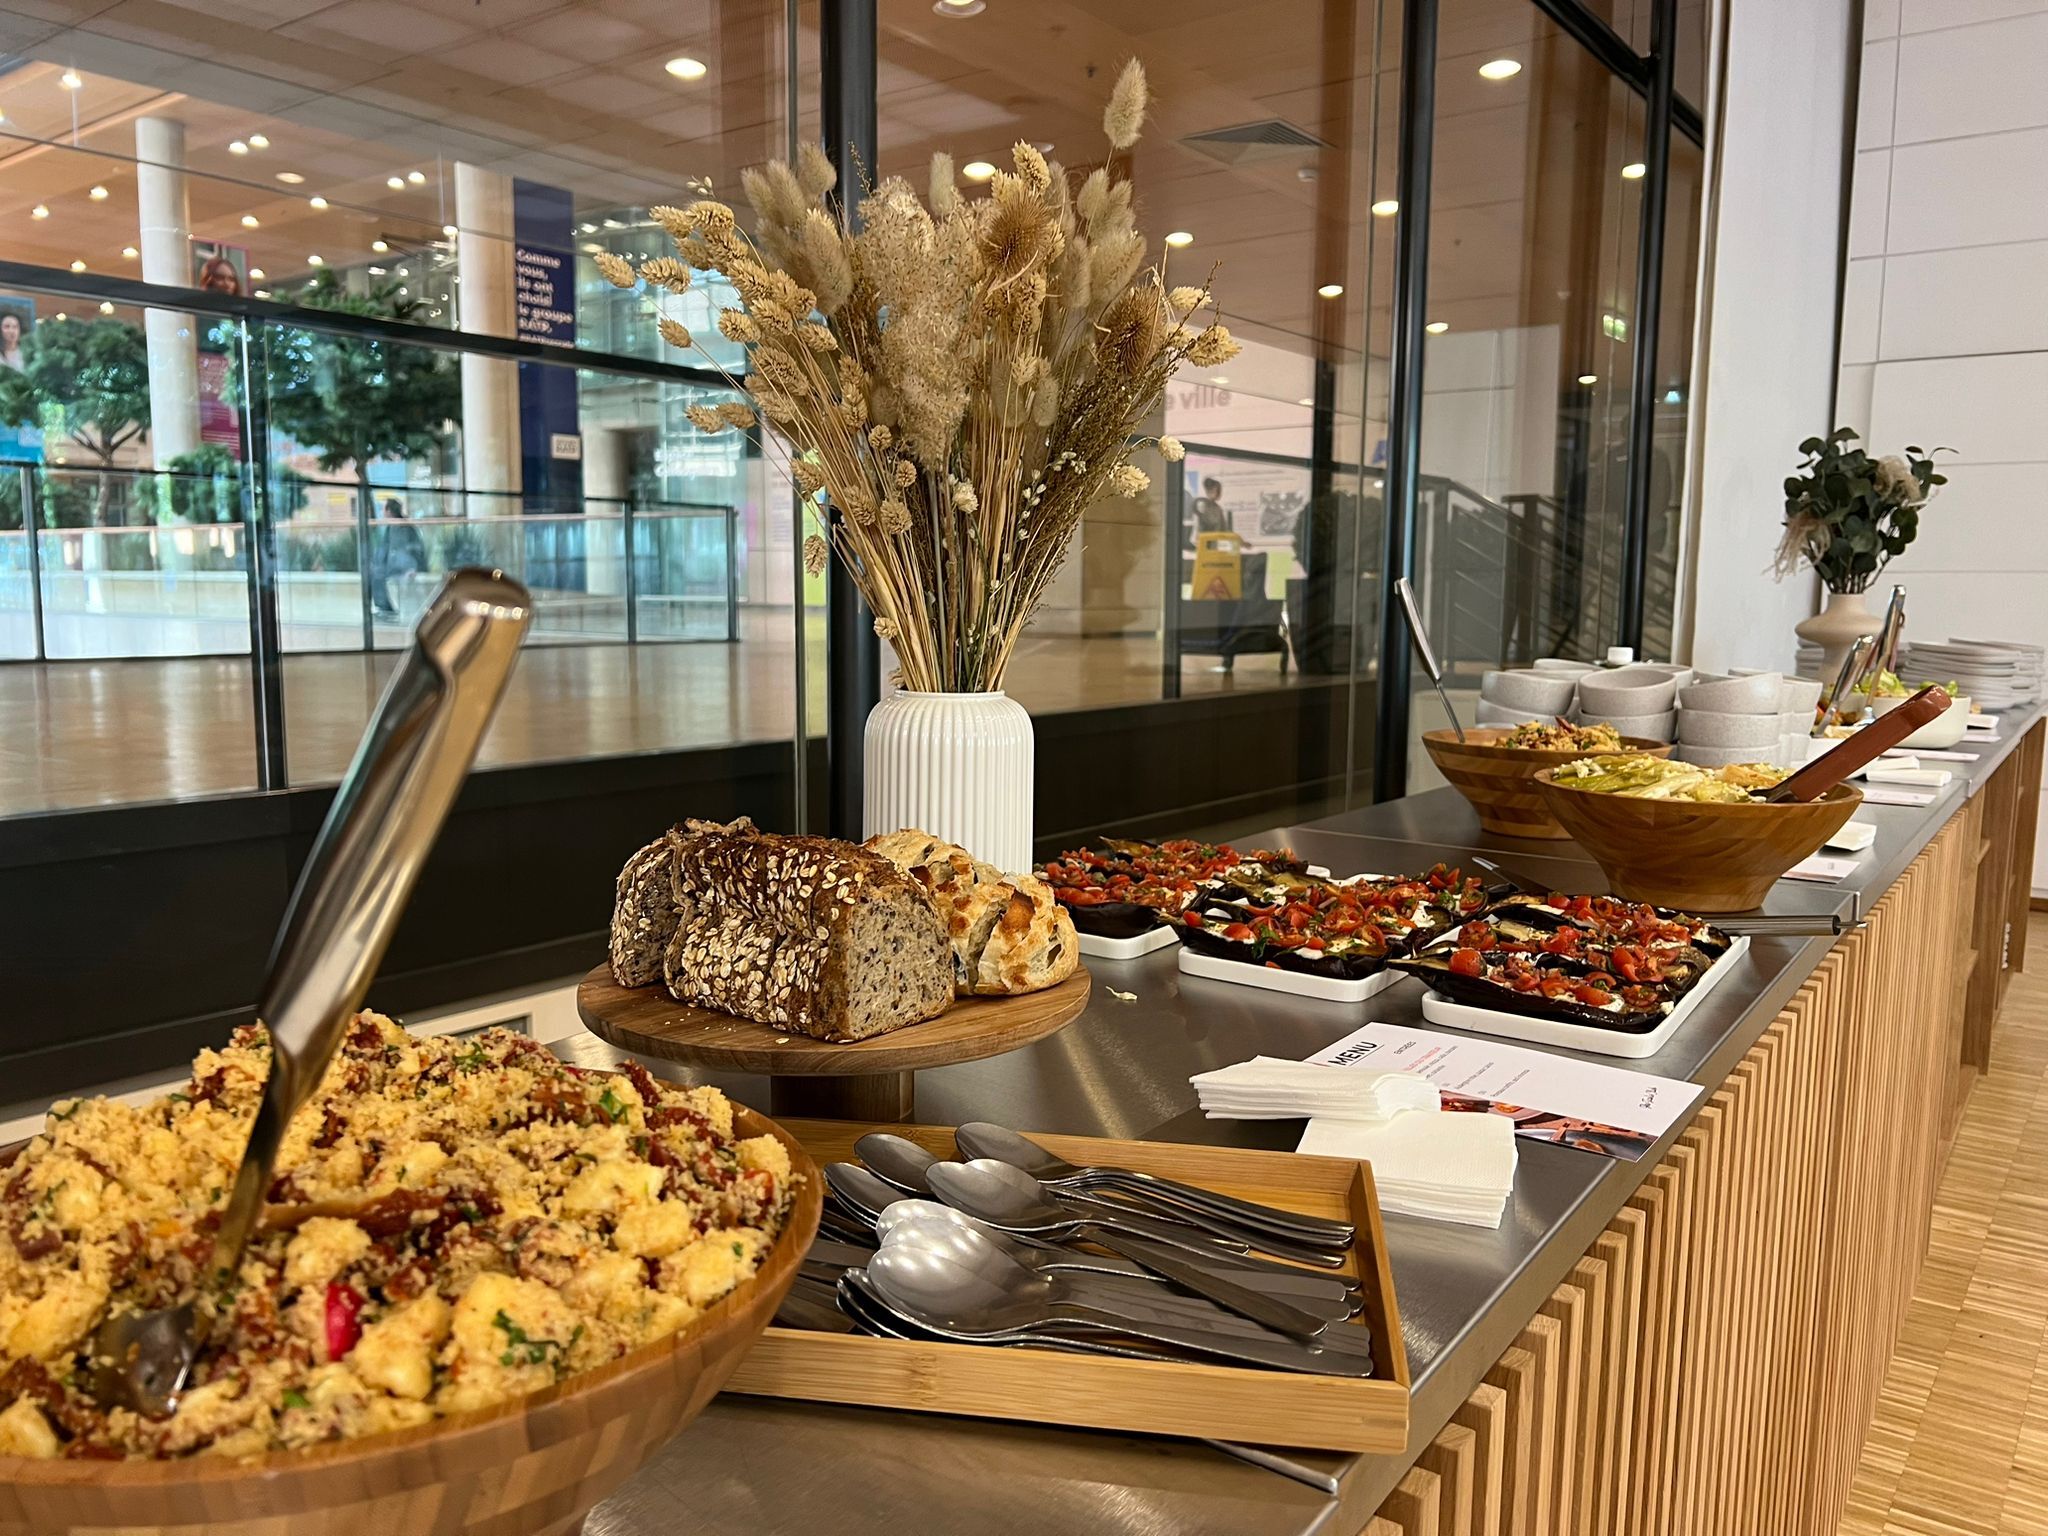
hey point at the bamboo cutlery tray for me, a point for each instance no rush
(1101, 1392)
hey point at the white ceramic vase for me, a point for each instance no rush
(1836, 629)
(958, 765)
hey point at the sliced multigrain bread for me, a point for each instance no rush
(1008, 933)
(804, 933)
(644, 909)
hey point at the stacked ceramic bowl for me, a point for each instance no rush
(1636, 701)
(1536, 693)
(1747, 717)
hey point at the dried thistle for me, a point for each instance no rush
(1124, 118)
(615, 269)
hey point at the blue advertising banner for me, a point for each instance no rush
(544, 279)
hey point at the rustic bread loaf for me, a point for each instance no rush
(1008, 933)
(644, 910)
(803, 933)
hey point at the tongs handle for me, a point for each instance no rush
(1406, 593)
(384, 821)
(1843, 759)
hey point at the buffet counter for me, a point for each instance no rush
(1704, 1330)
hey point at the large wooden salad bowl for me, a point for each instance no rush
(1697, 856)
(1501, 781)
(535, 1465)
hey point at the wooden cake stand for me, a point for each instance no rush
(867, 1080)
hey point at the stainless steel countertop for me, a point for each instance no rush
(752, 1465)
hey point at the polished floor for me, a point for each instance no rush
(83, 733)
(1960, 1443)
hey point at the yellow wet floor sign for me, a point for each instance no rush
(1219, 567)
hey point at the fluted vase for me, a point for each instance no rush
(958, 765)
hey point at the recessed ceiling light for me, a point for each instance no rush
(290, 178)
(62, 316)
(404, 272)
(258, 273)
(380, 246)
(1179, 238)
(448, 230)
(237, 147)
(316, 202)
(1386, 208)
(106, 306)
(258, 141)
(977, 170)
(1306, 400)
(1633, 171)
(249, 221)
(39, 212)
(1331, 290)
(395, 183)
(316, 261)
(687, 68)
(78, 266)
(98, 194)
(1437, 327)
(376, 271)
(417, 178)
(1219, 380)
(1672, 397)
(69, 80)
(130, 252)
(1589, 378)
(262, 293)
(1500, 69)
(959, 8)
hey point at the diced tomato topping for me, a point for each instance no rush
(1467, 962)
(1592, 996)
(1192, 919)
(1239, 931)
(344, 1319)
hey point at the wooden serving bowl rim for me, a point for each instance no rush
(1834, 795)
(1447, 739)
(791, 1243)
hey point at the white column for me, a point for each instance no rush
(490, 386)
(166, 227)
(607, 482)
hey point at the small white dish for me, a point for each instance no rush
(1710, 728)
(1627, 691)
(1753, 695)
(1535, 692)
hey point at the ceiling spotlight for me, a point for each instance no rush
(1219, 380)
(1386, 208)
(316, 261)
(106, 306)
(237, 147)
(977, 170)
(290, 178)
(262, 293)
(1179, 238)
(248, 221)
(417, 178)
(1672, 397)
(258, 273)
(317, 202)
(258, 141)
(78, 266)
(380, 246)
(98, 194)
(959, 8)
(1308, 400)
(69, 80)
(130, 252)
(376, 271)
(448, 230)
(40, 211)
(395, 183)
(1633, 171)
(1589, 378)
(1331, 290)
(1437, 327)
(62, 316)
(1500, 69)
(686, 68)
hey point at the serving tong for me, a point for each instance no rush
(1406, 593)
(368, 855)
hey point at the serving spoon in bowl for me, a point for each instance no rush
(384, 820)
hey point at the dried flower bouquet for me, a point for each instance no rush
(959, 380)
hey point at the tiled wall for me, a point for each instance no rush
(1945, 314)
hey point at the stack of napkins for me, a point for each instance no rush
(1448, 1166)
(1270, 1088)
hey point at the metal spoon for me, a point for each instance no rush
(896, 1160)
(981, 1138)
(1014, 1303)
(860, 1191)
(356, 881)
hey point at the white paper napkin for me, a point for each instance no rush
(1447, 1166)
(1269, 1088)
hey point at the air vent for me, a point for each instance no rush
(1248, 143)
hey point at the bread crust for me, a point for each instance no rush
(1009, 934)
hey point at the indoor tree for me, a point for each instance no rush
(85, 379)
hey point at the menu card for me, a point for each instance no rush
(1610, 1111)
(1881, 794)
(1820, 867)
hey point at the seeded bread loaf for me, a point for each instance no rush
(644, 912)
(803, 933)
(1008, 933)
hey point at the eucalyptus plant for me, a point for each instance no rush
(1847, 514)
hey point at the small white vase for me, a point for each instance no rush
(958, 765)
(1836, 629)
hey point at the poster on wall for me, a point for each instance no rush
(23, 444)
(218, 268)
(544, 311)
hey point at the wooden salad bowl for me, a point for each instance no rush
(533, 1465)
(1694, 856)
(1500, 781)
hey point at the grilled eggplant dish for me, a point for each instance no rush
(1592, 960)
(1343, 929)
(1118, 889)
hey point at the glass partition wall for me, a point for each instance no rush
(381, 363)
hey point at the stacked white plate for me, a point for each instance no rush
(1996, 674)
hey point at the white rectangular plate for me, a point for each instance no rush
(1128, 949)
(1579, 1037)
(1324, 988)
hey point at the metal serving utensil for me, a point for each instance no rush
(1854, 665)
(1168, 1197)
(1406, 593)
(369, 853)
